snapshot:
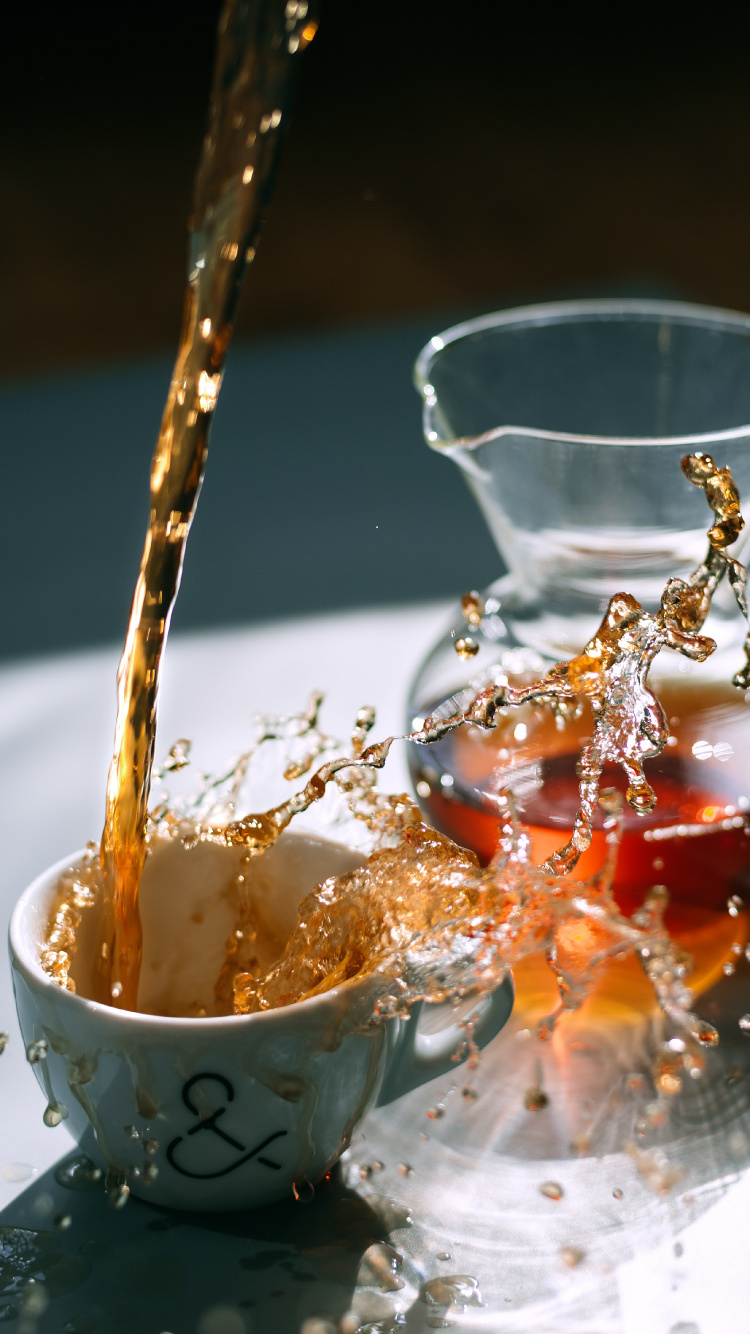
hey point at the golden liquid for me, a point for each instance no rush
(695, 841)
(422, 920)
(256, 47)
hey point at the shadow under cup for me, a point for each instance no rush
(224, 1111)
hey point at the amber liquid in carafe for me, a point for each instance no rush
(695, 841)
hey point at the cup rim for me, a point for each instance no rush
(23, 957)
(569, 312)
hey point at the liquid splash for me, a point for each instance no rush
(79, 888)
(424, 921)
(448, 925)
(611, 673)
(421, 919)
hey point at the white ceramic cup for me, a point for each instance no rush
(222, 1112)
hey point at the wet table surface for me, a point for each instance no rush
(442, 1213)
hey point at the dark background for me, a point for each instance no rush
(443, 159)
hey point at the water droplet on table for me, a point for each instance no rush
(552, 1190)
(79, 1173)
(18, 1172)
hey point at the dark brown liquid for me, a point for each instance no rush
(695, 841)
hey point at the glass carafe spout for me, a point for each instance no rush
(569, 422)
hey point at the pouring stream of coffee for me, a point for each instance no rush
(257, 43)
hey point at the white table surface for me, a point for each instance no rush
(147, 1271)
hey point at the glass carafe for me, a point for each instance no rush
(583, 492)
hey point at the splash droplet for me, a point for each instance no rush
(54, 1113)
(535, 1099)
(455, 1290)
(35, 1299)
(654, 1169)
(571, 1256)
(117, 1189)
(552, 1190)
(179, 755)
(705, 1033)
(472, 606)
(405, 1169)
(618, 1194)
(466, 647)
(36, 1051)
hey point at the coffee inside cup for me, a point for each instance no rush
(190, 903)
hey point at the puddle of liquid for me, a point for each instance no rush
(79, 1173)
(29, 1257)
(381, 1267)
(451, 1294)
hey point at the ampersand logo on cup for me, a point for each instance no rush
(208, 1122)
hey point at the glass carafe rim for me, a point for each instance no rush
(562, 312)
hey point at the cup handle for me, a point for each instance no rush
(418, 1057)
